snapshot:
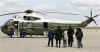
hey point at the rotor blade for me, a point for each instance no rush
(95, 16)
(94, 21)
(64, 13)
(59, 12)
(11, 13)
(91, 13)
(26, 11)
(87, 16)
(39, 12)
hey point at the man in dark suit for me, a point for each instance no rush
(58, 36)
(70, 33)
(50, 37)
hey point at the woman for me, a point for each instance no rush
(65, 38)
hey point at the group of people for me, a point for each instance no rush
(66, 36)
(22, 34)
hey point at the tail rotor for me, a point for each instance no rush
(92, 17)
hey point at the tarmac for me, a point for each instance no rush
(91, 43)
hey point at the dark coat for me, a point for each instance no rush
(51, 34)
(70, 33)
(58, 34)
(79, 34)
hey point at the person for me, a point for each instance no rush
(70, 33)
(58, 36)
(11, 33)
(65, 38)
(50, 38)
(79, 36)
(22, 34)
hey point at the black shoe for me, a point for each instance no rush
(48, 46)
(59, 46)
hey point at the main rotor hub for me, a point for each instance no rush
(29, 11)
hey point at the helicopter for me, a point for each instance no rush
(44, 23)
(54, 22)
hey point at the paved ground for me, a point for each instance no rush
(91, 43)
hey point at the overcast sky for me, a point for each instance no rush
(82, 7)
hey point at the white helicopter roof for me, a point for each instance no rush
(42, 19)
